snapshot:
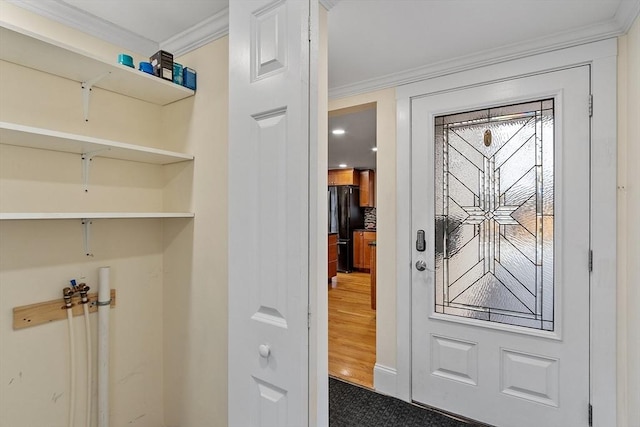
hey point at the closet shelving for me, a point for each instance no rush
(46, 139)
(50, 56)
(85, 146)
(92, 215)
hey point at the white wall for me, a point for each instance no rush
(629, 228)
(386, 230)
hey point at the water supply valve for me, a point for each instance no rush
(67, 294)
(84, 290)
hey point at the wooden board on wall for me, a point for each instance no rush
(49, 311)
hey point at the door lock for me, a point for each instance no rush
(421, 265)
(420, 242)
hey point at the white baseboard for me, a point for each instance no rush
(384, 380)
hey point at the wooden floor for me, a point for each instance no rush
(352, 329)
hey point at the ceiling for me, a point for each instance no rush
(373, 44)
(155, 20)
(370, 40)
(353, 148)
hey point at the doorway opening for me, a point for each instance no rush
(351, 199)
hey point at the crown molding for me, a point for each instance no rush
(627, 13)
(73, 17)
(328, 4)
(212, 28)
(588, 34)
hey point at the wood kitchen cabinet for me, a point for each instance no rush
(332, 268)
(344, 177)
(369, 236)
(358, 238)
(374, 275)
(367, 189)
(361, 249)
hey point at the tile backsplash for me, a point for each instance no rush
(370, 218)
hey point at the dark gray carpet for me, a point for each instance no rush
(353, 406)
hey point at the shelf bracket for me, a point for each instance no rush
(86, 224)
(86, 165)
(86, 93)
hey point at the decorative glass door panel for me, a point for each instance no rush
(494, 201)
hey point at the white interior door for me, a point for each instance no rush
(268, 212)
(500, 307)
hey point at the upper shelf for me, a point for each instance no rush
(92, 215)
(45, 139)
(50, 56)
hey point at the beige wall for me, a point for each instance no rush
(195, 253)
(169, 329)
(38, 258)
(629, 228)
(386, 218)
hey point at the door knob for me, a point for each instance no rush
(421, 265)
(264, 350)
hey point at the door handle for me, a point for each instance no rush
(264, 350)
(421, 265)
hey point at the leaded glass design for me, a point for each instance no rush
(494, 214)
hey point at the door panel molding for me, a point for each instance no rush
(544, 368)
(272, 248)
(601, 56)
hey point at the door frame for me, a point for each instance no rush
(602, 57)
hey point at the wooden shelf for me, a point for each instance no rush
(40, 53)
(92, 215)
(45, 139)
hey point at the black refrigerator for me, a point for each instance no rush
(345, 216)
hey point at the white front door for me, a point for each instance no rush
(268, 212)
(500, 307)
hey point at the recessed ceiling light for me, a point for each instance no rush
(338, 131)
(342, 165)
(374, 149)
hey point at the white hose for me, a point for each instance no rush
(72, 367)
(87, 326)
(104, 297)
